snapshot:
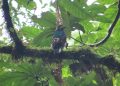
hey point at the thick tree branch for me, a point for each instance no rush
(82, 55)
(9, 23)
(110, 29)
(19, 47)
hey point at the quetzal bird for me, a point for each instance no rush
(59, 39)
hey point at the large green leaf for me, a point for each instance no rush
(29, 4)
(47, 19)
(98, 14)
(24, 74)
(66, 71)
(29, 32)
(94, 8)
(87, 26)
(116, 31)
(70, 22)
(116, 80)
(103, 18)
(83, 80)
(88, 79)
(44, 39)
(106, 48)
(5, 64)
(107, 1)
(111, 12)
(48, 22)
(72, 8)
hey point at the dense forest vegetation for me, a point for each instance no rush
(90, 59)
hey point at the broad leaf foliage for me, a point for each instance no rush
(84, 24)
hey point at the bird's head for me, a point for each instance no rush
(60, 27)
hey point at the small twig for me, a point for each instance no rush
(80, 37)
(76, 40)
(81, 42)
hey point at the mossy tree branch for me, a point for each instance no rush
(84, 55)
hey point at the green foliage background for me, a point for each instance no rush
(92, 20)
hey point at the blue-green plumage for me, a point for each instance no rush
(59, 39)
